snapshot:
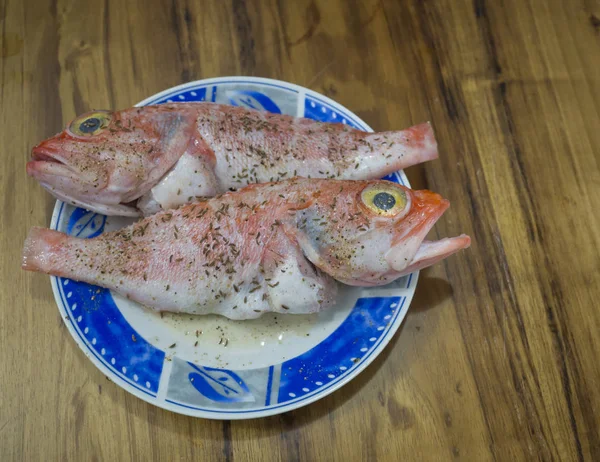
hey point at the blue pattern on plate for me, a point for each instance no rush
(339, 352)
(323, 112)
(97, 320)
(219, 385)
(253, 100)
(207, 91)
(83, 223)
(197, 94)
(269, 386)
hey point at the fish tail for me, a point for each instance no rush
(405, 148)
(41, 249)
(423, 136)
(58, 254)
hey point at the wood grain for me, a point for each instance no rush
(497, 358)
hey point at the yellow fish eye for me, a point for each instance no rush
(91, 123)
(384, 200)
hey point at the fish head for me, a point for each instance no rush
(369, 233)
(104, 160)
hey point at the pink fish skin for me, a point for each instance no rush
(141, 160)
(267, 247)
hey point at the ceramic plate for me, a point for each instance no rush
(209, 366)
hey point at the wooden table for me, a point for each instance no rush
(497, 357)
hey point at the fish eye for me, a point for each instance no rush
(90, 124)
(384, 200)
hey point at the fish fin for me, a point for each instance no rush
(293, 280)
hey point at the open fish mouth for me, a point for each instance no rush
(428, 253)
(431, 252)
(403, 258)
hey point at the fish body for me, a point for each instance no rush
(273, 247)
(139, 161)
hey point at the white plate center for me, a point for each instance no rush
(216, 341)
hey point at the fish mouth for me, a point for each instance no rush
(40, 153)
(413, 251)
(428, 253)
(45, 163)
(57, 177)
(431, 252)
(44, 153)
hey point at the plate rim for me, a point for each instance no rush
(274, 409)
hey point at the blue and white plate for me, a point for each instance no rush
(211, 367)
